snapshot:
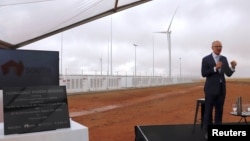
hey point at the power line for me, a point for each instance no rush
(20, 3)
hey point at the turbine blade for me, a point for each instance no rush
(172, 20)
(164, 32)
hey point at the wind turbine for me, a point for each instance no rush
(168, 33)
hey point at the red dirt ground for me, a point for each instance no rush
(113, 115)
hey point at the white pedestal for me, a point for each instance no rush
(1, 106)
(76, 132)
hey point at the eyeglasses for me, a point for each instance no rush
(217, 46)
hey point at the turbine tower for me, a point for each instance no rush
(168, 33)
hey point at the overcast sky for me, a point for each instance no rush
(195, 25)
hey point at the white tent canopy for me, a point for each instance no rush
(25, 21)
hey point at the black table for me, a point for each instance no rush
(243, 115)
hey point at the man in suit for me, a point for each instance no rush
(214, 67)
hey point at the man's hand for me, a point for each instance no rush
(218, 65)
(233, 64)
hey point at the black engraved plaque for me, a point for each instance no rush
(34, 109)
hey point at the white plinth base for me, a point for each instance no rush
(76, 132)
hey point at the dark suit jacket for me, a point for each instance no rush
(214, 80)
